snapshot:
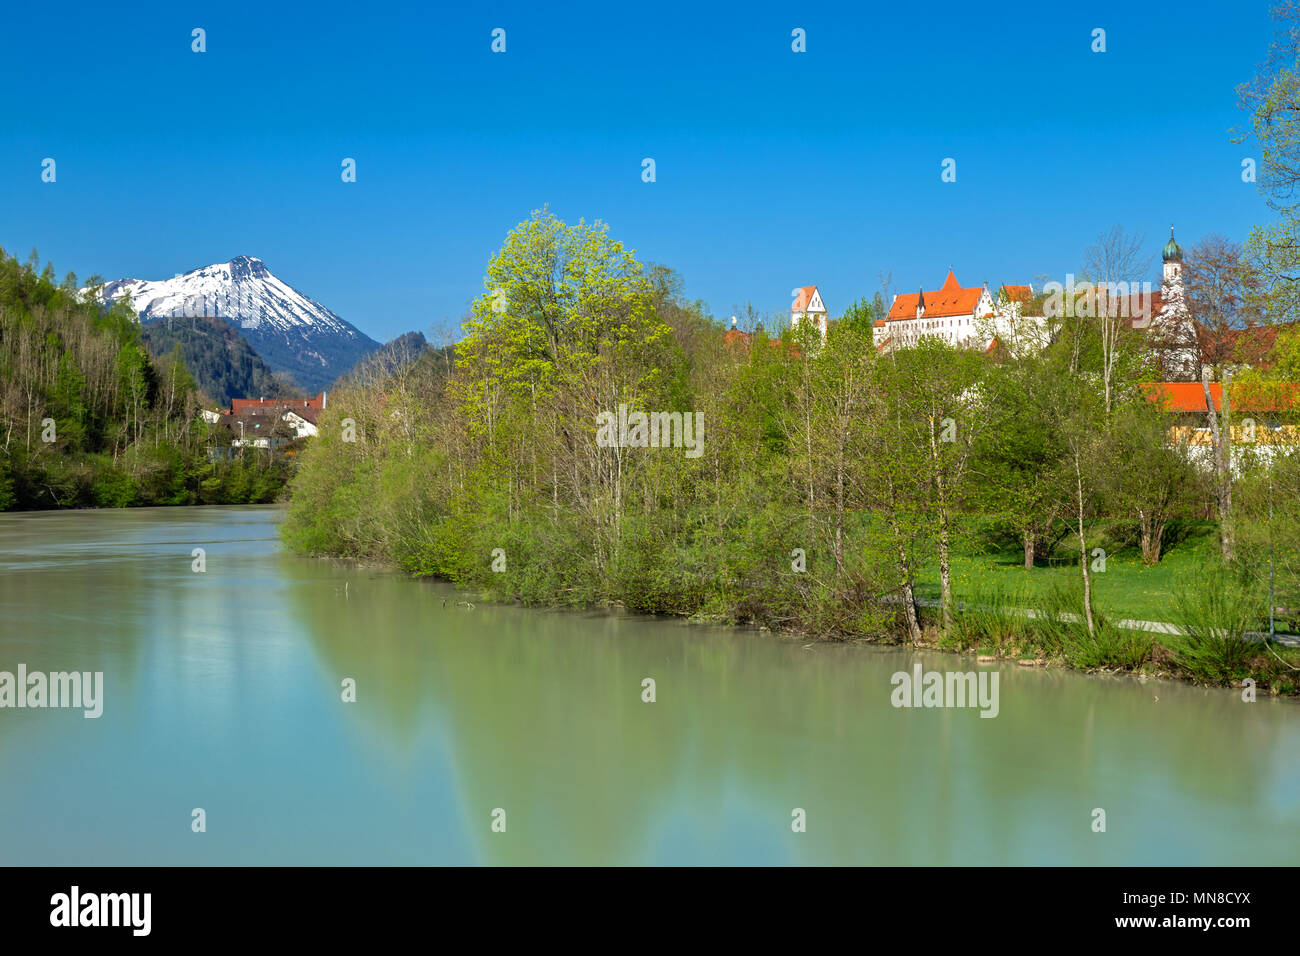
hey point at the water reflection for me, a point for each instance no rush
(223, 691)
(544, 716)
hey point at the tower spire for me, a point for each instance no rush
(1172, 252)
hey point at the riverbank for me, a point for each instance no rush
(1053, 636)
(1273, 670)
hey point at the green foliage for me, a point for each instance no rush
(1059, 628)
(994, 618)
(861, 315)
(7, 497)
(1215, 616)
(112, 487)
(1272, 251)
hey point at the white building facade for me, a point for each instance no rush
(952, 312)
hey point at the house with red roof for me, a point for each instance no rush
(1021, 319)
(263, 422)
(1260, 415)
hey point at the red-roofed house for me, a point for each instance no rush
(266, 422)
(974, 317)
(1254, 412)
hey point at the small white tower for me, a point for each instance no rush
(808, 306)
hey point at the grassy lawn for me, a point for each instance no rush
(1127, 588)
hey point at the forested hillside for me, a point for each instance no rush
(223, 365)
(406, 349)
(89, 418)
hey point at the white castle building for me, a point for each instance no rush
(1018, 319)
(950, 312)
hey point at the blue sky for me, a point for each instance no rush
(774, 169)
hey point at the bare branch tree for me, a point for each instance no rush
(1115, 257)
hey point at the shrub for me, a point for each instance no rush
(1214, 617)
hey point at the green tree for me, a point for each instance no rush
(1020, 459)
(1270, 97)
(1153, 477)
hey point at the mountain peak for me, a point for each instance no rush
(291, 331)
(248, 267)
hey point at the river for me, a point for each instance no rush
(222, 691)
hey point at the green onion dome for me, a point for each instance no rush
(1172, 252)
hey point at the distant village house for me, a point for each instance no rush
(265, 423)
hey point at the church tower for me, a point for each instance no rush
(1174, 330)
(1172, 254)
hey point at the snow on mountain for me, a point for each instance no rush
(292, 332)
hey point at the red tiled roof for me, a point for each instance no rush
(949, 300)
(805, 296)
(1018, 293)
(1190, 397)
(238, 405)
(737, 337)
(1183, 396)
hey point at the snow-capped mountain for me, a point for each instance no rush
(292, 332)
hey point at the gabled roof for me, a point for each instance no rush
(1018, 293)
(307, 413)
(949, 300)
(805, 296)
